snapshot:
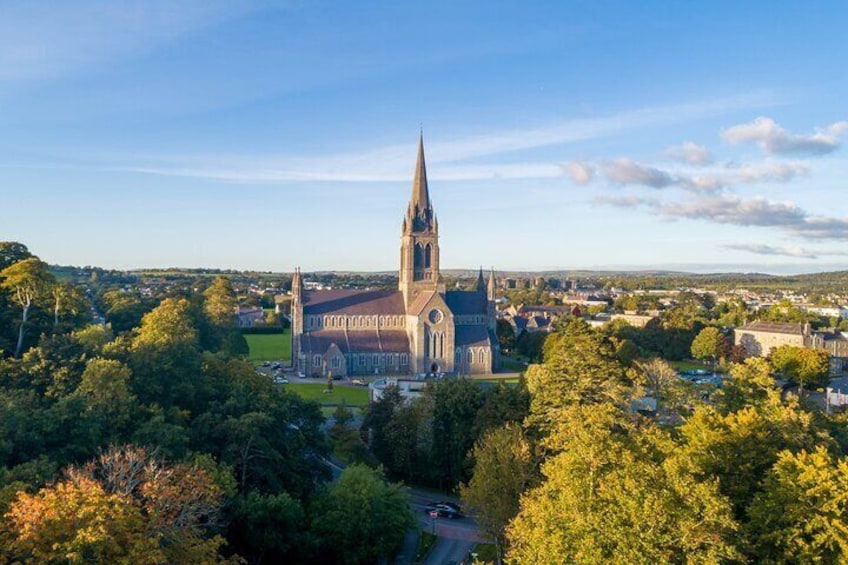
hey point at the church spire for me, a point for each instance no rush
(420, 193)
(481, 282)
(490, 287)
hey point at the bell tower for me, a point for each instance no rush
(419, 240)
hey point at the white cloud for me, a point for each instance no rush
(775, 140)
(690, 153)
(758, 211)
(627, 171)
(761, 249)
(580, 172)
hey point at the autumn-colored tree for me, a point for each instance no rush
(124, 507)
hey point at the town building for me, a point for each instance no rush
(418, 328)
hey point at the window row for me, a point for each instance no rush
(320, 322)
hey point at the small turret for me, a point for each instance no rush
(490, 287)
(297, 285)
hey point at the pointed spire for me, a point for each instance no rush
(420, 193)
(481, 282)
(490, 288)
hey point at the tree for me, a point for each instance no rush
(711, 344)
(455, 403)
(12, 252)
(801, 365)
(801, 516)
(220, 304)
(504, 467)
(26, 281)
(580, 368)
(506, 335)
(105, 385)
(267, 528)
(165, 357)
(361, 517)
(609, 481)
(124, 507)
(661, 381)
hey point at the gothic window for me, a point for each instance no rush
(334, 363)
(404, 359)
(428, 251)
(442, 345)
(470, 356)
(481, 356)
(362, 361)
(419, 256)
(376, 359)
(316, 361)
(382, 321)
(458, 356)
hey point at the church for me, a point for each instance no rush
(418, 328)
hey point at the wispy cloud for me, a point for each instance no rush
(43, 40)
(627, 171)
(690, 153)
(775, 140)
(389, 162)
(802, 252)
(581, 172)
(788, 216)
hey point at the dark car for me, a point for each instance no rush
(444, 509)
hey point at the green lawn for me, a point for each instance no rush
(512, 364)
(350, 396)
(687, 365)
(269, 347)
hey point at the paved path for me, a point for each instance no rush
(446, 551)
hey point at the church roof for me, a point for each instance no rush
(472, 335)
(354, 302)
(463, 302)
(372, 341)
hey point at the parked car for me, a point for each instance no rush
(444, 509)
(301, 375)
(281, 380)
(359, 382)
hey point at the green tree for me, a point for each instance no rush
(12, 252)
(506, 335)
(801, 516)
(710, 344)
(615, 493)
(105, 385)
(361, 517)
(580, 368)
(220, 302)
(801, 365)
(504, 467)
(268, 528)
(25, 281)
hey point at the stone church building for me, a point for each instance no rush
(418, 328)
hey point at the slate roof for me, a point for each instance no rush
(472, 335)
(464, 302)
(774, 327)
(372, 341)
(353, 302)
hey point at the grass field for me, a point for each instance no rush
(687, 365)
(350, 396)
(269, 347)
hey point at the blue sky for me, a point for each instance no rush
(251, 135)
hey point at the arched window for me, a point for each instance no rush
(470, 356)
(419, 256)
(481, 356)
(442, 344)
(458, 356)
(428, 251)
